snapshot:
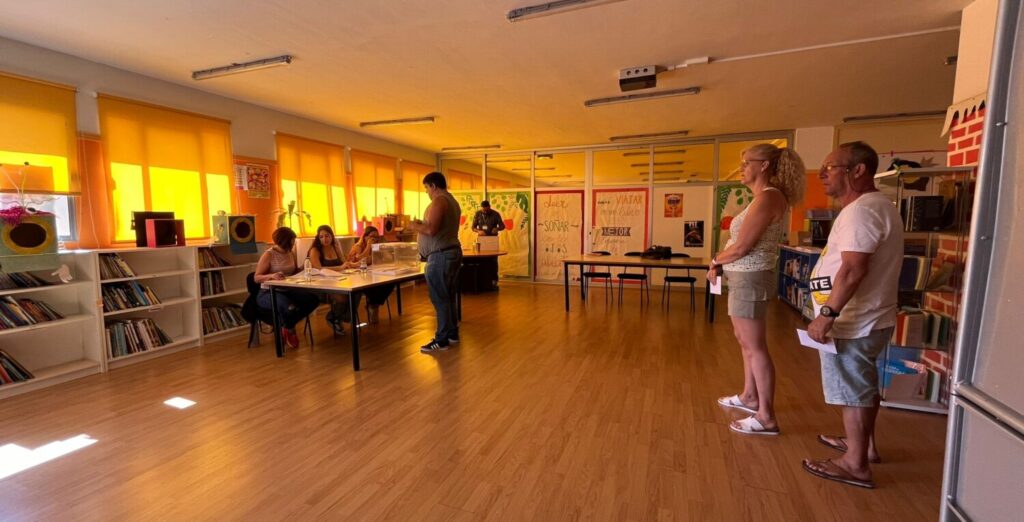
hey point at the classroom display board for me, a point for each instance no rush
(729, 202)
(559, 231)
(470, 202)
(620, 220)
(514, 207)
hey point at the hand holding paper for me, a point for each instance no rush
(805, 339)
(716, 285)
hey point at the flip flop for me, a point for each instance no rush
(734, 402)
(842, 447)
(838, 474)
(752, 426)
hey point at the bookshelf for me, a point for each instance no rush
(795, 265)
(60, 350)
(222, 289)
(169, 274)
(916, 366)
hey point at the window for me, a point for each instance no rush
(313, 176)
(165, 160)
(39, 128)
(414, 198)
(374, 177)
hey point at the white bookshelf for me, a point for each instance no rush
(64, 349)
(233, 277)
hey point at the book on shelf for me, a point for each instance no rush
(25, 312)
(905, 375)
(112, 266)
(11, 371)
(922, 329)
(209, 259)
(13, 280)
(219, 318)
(129, 294)
(128, 336)
(211, 283)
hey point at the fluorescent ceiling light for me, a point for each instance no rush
(545, 156)
(527, 169)
(179, 402)
(470, 147)
(656, 152)
(554, 7)
(400, 121)
(686, 91)
(680, 171)
(509, 160)
(551, 176)
(657, 163)
(236, 68)
(631, 137)
(662, 179)
(894, 116)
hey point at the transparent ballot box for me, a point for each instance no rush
(396, 257)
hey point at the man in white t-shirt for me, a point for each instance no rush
(854, 289)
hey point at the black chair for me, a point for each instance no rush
(642, 277)
(587, 275)
(666, 296)
(254, 314)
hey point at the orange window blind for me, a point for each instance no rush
(163, 159)
(374, 177)
(313, 176)
(414, 198)
(38, 127)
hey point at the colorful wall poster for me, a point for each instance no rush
(257, 180)
(559, 231)
(693, 234)
(620, 220)
(730, 201)
(673, 205)
(470, 201)
(514, 207)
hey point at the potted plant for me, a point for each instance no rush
(290, 213)
(28, 237)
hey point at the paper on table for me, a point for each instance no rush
(327, 272)
(716, 286)
(805, 339)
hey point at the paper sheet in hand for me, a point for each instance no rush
(716, 287)
(805, 339)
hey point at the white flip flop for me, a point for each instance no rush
(734, 402)
(751, 426)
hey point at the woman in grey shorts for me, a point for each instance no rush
(777, 178)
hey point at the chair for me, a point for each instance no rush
(586, 276)
(252, 312)
(626, 276)
(666, 296)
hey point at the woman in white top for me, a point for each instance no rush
(277, 263)
(777, 178)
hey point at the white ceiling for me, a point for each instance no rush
(522, 85)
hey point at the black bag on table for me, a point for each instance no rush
(657, 252)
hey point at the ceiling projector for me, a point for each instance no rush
(642, 77)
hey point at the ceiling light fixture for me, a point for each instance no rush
(663, 179)
(894, 116)
(527, 169)
(545, 156)
(470, 148)
(555, 7)
(236, 68)
(686, 91)
(508, 160)
(630, 137)
(400, 121)
(676, 151)
(565, 176)
(680, 171)
(657, 163)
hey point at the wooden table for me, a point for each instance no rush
(680, 263)
(353, 285)
(484, 273)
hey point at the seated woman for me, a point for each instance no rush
(363, 250)
(275, 264)
(324, 253)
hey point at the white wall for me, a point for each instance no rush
(252, 126)
(813, 144)
(974, 57)
(697, 206)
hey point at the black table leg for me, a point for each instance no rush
(398, 297)
(353, 317)
(565, 274)
(277, 323)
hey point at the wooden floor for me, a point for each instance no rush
(604, 414)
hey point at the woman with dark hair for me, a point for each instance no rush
(324, 253)
(363, 250)
(277, 263)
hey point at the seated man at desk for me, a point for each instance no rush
(487, 222)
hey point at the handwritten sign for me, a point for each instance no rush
(620, 220)
(559, 221)
(514, 207)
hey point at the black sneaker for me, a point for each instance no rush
(453, 339)
(434, 346)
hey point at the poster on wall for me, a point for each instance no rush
(514, 207)
(257, 180)
(620, 220)
(559, 231)
(673, 205)
(729, 202)
(693, 234)
(470, 203)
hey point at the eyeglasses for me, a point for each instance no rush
(829, 166)
(745, 163)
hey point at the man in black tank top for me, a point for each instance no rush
(438, 239)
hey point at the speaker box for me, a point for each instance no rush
(139, 224)
(238, 231)
(31, 244)
(165, 233)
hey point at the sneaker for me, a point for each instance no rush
(434, 346)
(290, 338)
(453, 339)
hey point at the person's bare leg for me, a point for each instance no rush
(860, 427)
(749, 395)
(755, 349)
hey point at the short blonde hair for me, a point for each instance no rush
(785, 170)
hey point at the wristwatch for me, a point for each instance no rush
(827, 311)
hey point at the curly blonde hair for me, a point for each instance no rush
(786, 170)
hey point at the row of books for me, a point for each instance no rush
(24, 312)
(11, 371)
(211, 283)
(12, 280)
(923, 329)
(112, 266)
(129, 294)
(128, 336)
(218, 318)
(921, 273)
(796, 268)
(796, 295)
(209, 259)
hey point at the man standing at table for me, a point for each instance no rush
(487, 222)
(438, 239)
(854, 289)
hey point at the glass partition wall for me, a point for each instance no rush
(616, 198)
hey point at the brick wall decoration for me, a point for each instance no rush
(965, 121)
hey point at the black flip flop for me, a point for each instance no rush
(848, 479)
(825, 442)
